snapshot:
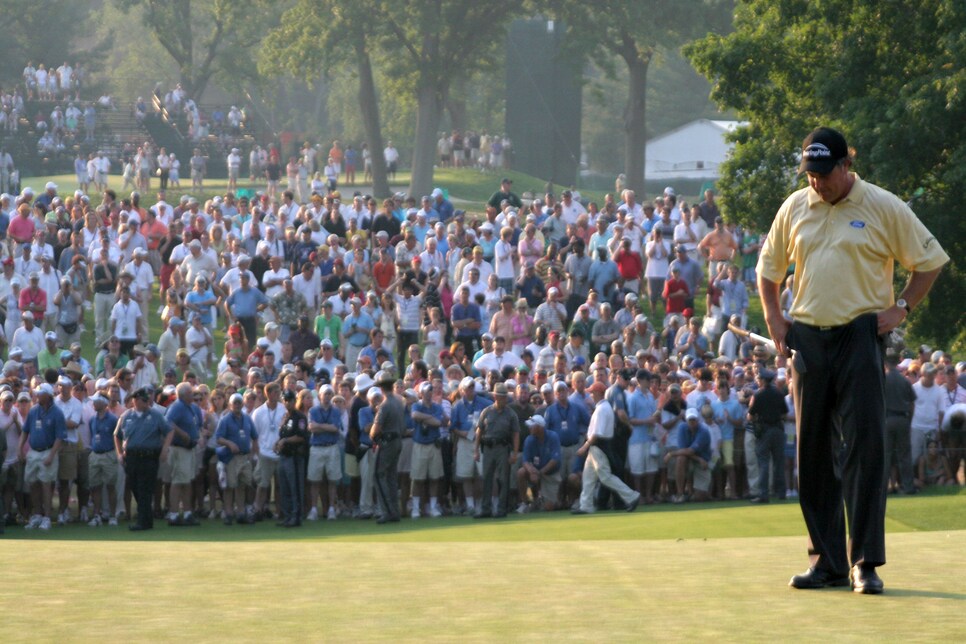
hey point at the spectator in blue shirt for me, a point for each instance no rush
(540, 471)
(692, 456)
(442, 205)
(45, 430)
(728, 414)
(427, 460)
(236, 433)
(466, 318)
(243, 305)
(604, 276)
(102, 465)
(643, 413)
(569, 420)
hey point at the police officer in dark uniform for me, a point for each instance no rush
(142, 437)
(387, 432)
(900, 399)
(499, 430)
(292, 448)
(767, 411)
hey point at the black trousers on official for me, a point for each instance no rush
(770, 451)
(840, 416)
(899, 449)
(249, 325)
(496, 469)
(291, 488)
(141, 469)
(403, 340)
(387, 477)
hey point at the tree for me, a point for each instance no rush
(634, 32)
(203, 36)
(48, 33)
(323, 35)
(433, 43)
(792, 65)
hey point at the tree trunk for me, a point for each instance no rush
(429, 107)
(369, 104)
(635, 125)
(457, 113)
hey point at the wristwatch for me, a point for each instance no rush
(903, 304)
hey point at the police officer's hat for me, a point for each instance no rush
(144, 393)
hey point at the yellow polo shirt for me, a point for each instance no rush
(844, 254)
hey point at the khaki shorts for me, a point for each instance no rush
(102, 469)
(550, 486)
(405, 457)
(701, 476)
(182, 461)
(265, 471)
(238, 471)
(727, 452)
(324, 462)
(67, 470)
(164, 471)
(427, 462)
(466, 467)
(36, 472)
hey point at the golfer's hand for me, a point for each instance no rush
(890, 318)
(778, 329)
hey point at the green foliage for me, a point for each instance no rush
(46, 32)
(205, 38)
(890, 75)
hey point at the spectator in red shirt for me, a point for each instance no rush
(676, 292)
(631, 266)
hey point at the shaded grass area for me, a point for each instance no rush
(934, 512)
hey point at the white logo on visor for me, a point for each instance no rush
(816, 151)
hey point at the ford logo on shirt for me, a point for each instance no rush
(855, 223)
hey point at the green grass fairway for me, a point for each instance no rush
(661, 574)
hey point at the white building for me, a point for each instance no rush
(691, 151)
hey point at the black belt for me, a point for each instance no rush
(487, 442)
(107, 451)
(568, 444)
(903, 414)
(386, 438)
(144, 453)
(104, 292)
(190, 445)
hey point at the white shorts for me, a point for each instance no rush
(324, 462)
(36, 471)
(466, 467)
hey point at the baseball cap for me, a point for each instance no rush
(50, 335)
(597, 387)
(692, 413)
(45, 388)
(537, 420)
(822, 149)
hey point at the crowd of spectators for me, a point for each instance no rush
(581, 318)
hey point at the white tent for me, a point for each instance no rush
(691, 151)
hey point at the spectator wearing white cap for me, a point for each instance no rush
(144, 281)
(29, 338)
(44, 432)
(73, 461)
(49, 356)
(540, 470)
